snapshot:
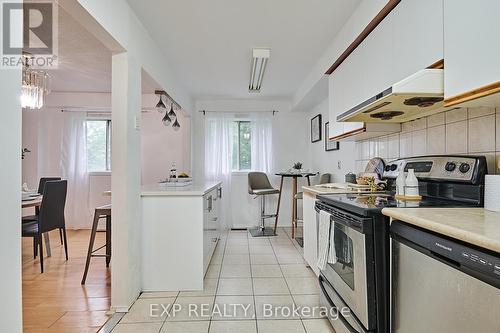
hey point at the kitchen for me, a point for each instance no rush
(360, 179)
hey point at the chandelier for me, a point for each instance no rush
(35, 85)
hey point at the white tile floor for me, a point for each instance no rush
(254, 272)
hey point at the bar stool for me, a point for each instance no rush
(99, 213)
(259, 185)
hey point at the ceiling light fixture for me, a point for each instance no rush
(259, 63)
(171, 113)
(35, 85)
(169, 116)
(160, 106)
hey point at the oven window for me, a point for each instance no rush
(344, 266)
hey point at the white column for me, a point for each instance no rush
(125, 182)
(10, 198)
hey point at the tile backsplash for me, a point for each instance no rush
(474, 131)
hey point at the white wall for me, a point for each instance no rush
(290, 135)
(117, 26)
(10, 198)
(42, 134)
(328, 161)
(363, 14)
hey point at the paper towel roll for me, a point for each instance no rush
(492, 193)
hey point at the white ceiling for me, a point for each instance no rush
(209, 43)
(84, 62)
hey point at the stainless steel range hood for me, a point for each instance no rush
(419, 95)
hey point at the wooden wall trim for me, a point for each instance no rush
(486, 90)
(366, 31)
(348, 134)
(437, 65)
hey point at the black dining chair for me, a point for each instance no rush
(51, 216)
(33, 218)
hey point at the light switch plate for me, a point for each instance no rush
(137, 123)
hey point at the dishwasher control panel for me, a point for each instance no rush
(471, 260)
(482, 260)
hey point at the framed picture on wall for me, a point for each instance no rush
(316, 128)
(330, 144)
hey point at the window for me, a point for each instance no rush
(98, 145)
(242, 145)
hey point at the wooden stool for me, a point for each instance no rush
(99, 213)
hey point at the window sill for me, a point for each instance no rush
(100, 173)
(240, 172)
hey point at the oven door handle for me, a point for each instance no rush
(340, 304)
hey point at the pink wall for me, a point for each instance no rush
(42, 134)
(161, 146)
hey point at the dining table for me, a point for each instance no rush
(294, 175)
(36, 202)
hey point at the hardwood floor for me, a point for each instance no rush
(55, 301)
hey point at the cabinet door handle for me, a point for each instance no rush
(220, 192)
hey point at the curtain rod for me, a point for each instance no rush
(98, 110)
(236, 112)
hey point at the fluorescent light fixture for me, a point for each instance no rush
(259, 63)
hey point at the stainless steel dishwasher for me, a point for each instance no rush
(442, 285)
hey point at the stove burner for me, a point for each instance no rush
(422, 102)
(386, 115)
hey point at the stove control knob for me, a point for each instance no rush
(450, 166)
(394, 167)
(464, 168)
(387, 168)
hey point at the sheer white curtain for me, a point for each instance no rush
(262, 141)
(218, 156)
(74, 169)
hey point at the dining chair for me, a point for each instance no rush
(51, 216)
(33, 218)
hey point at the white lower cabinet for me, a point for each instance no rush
(310, 231)
(180, 231)
(211, 225)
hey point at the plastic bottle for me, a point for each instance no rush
(411, 184)
(400, 183)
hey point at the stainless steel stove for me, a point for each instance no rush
(360, 280)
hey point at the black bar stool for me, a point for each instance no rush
(99, 213)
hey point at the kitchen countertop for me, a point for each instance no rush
(342, 188)
(195, 189)
(471, 225)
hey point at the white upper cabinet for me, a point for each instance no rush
(417, 36)
(334, 103)
(471, 46)
(409, 39)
